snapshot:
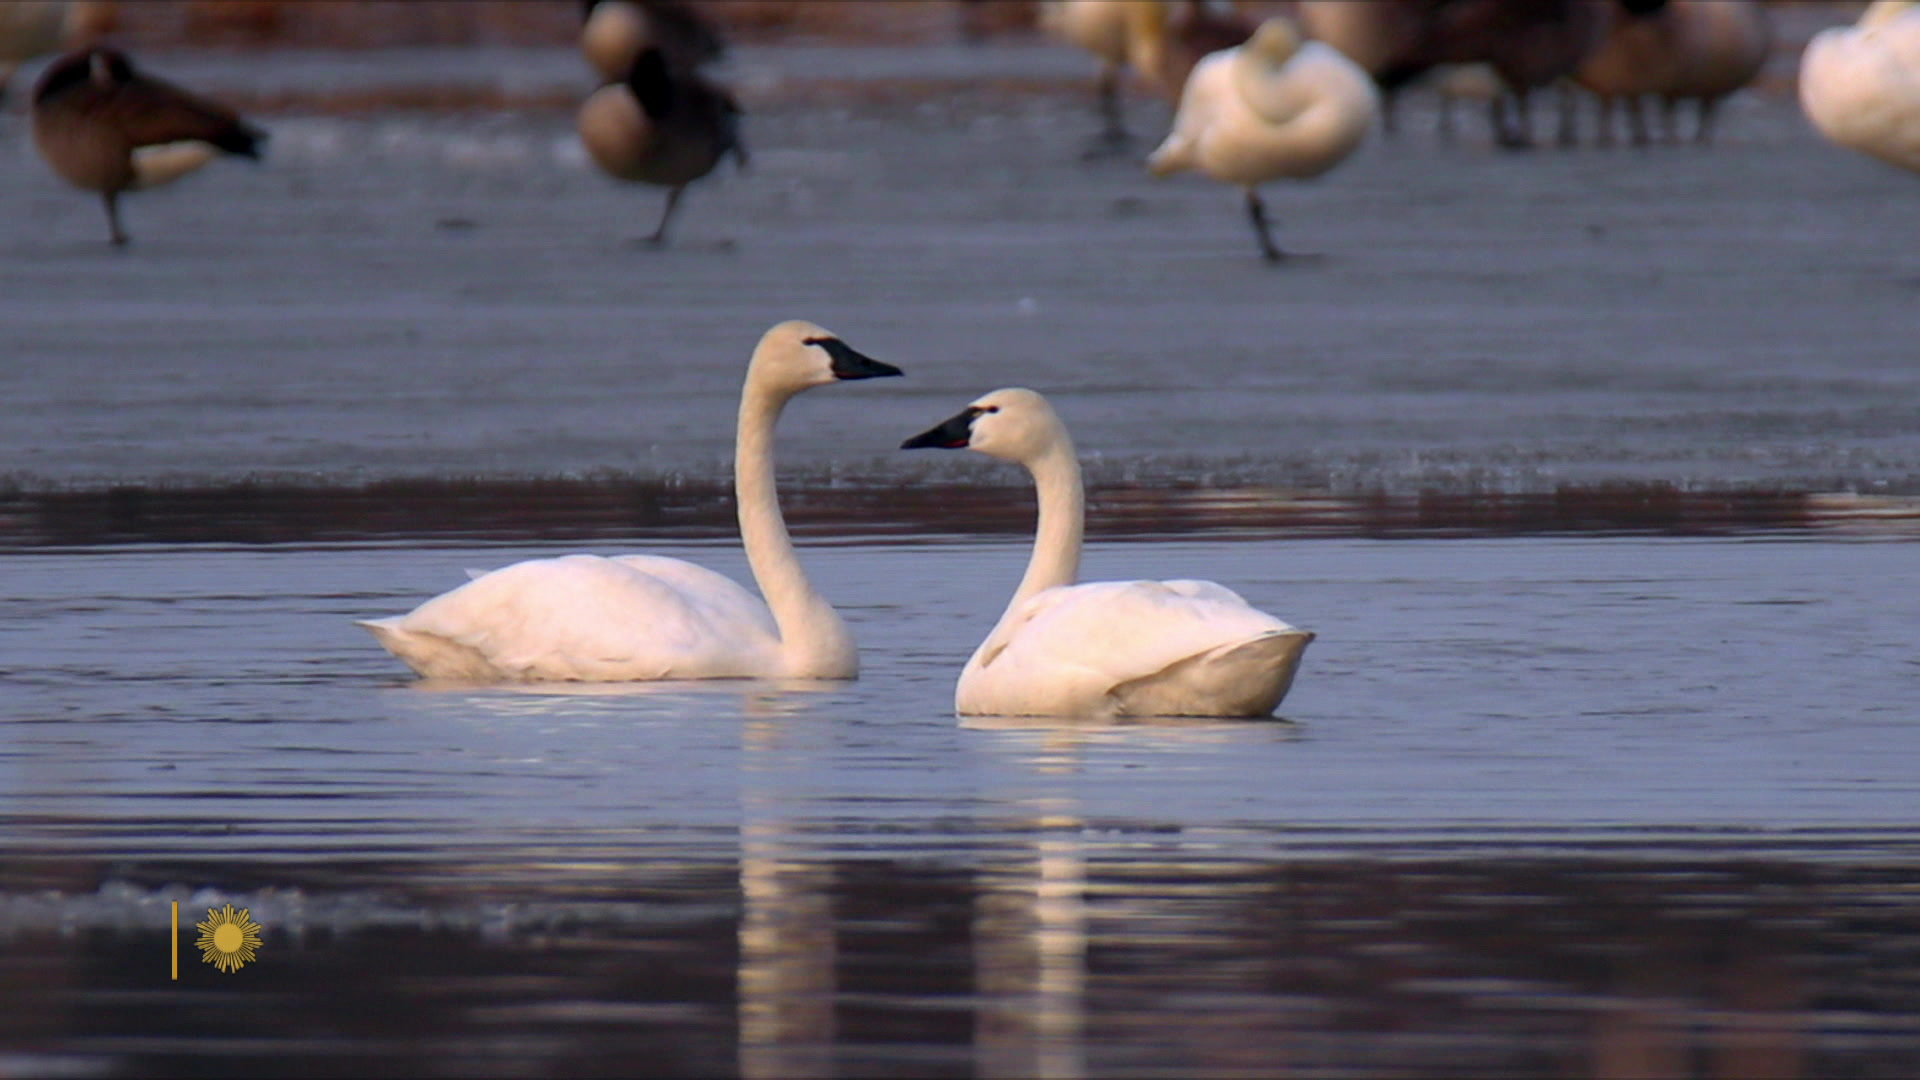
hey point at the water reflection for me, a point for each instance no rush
(1064, 954)
(787, 943)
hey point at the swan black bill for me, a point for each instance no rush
(953, 434)
(851, 364)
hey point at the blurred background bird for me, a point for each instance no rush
(1159, 40)
(106, 127)
(1682, 50)
(34, 28)
(615, 32)
(662, 121)
(1860, 85)
(1620, 50)
(1276, 107)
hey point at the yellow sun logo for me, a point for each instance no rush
(228, 940)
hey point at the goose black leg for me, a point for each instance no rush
(659, 237)
(112, 199)
(1637, 121)
(1515, 133)
(1257, 213)
(1113, 138)
(1703, 134)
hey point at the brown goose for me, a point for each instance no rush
(661, 126)
(105, 127)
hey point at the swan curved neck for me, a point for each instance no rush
(814, 642)
(1057, 534)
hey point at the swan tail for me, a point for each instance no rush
(1174, 155)
(1241, 679)
(429, 655)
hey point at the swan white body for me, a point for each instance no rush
(1273, 108)
(1246, 119)
(642, 617)
(1111, 648)
(1860, 85)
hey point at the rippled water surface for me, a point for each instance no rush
(1593, 471)
(1538, 804)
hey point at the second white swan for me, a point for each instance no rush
(642, 617)
(1110, 648)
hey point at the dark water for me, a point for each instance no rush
(1594, 473)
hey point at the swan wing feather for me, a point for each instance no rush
(584, 617)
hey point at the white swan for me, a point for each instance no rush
(1113, 648)
(1275, 107)
(635, 617)
(1860, 85)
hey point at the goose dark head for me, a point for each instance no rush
(101, 68)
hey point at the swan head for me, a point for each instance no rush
(798, 355)
(1015, 424)
(1275, 41)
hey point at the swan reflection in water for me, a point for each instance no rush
(788, 944)
(1030, 934)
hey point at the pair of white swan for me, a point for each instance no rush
(1136, 648)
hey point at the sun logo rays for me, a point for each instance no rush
(228, 939)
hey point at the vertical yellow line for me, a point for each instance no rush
(176, 940)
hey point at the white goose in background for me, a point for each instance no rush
(1276, 107)
(1109, 648)
(1860, 85)
(1160, 40)
(639, 617)
(1101, 27)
